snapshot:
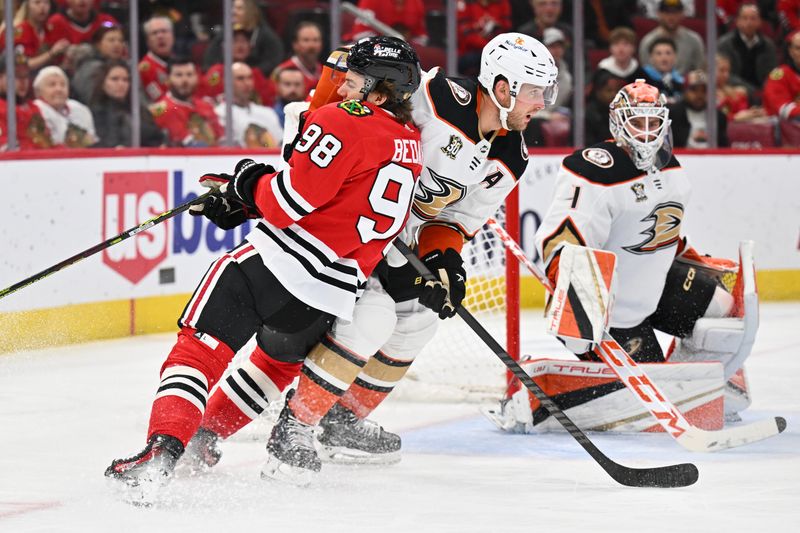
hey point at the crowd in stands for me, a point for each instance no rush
(73, 75)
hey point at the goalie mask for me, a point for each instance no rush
(388, 59)
(639, 122)
(520, 59)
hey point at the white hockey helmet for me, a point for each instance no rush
(520, 59)
(639, 121)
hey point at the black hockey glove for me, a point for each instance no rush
(403, 283)
(241, 188)
(224, 213)
(445, 295)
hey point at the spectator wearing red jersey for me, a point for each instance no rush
(212, 83)
(32, 132)
(78, 23)
(160, 39)
(789, 14)
(30, 34)
(405, 16)
(782, 90)
(188, 119)
(732, 95)
(478, 22)
(307, 46)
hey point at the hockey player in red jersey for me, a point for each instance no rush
(474, 156)
(323, 224)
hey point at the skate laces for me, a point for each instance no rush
(301, 434)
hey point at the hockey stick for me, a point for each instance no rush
(679, 475)
(634, 377)
(103, 245)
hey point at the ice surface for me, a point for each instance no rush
(65, 413)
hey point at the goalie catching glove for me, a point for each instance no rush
(444, 295)
(233, 200)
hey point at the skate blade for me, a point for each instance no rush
(276, 470)
(348, 456)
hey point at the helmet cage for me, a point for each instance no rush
(642, 127)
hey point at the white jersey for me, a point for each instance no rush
(72, 126)
(602, 200)
(254, 126)
(459, 187)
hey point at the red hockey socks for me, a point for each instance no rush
(247, 391)
(193, 366)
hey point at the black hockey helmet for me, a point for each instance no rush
(386, 58)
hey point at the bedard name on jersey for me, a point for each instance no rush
(461, 171)
(603, 201)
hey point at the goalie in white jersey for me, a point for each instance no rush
(628, 196)
(473, 156)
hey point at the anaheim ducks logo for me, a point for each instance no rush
(435, 195)
(665, 231)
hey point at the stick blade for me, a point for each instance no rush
(699, 440)
(672, 476)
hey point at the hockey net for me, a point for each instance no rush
(456, 365)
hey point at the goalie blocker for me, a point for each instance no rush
(704, 373)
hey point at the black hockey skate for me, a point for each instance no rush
(291, 454)
(202, 452)
(348, 439)
(146, 472)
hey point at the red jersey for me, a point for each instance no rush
(212, 84)
(782, 92)
(408, 15)
(311, 78)
(32, 132)
(153, 73)
(479, 22)
(329, 218)
(60, 26)
(192, 123)
(789, 14)
(27, 40)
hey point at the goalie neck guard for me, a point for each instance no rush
(639, 122)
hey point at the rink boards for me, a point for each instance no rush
(56, 207)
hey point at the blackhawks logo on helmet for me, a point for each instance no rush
(355, 108)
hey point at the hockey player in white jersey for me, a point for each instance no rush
(473, 156)
(628, 196)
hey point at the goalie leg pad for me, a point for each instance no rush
(583, 295)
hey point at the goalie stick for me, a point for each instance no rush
(635, 379)
(679, 475)
(103, 245)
